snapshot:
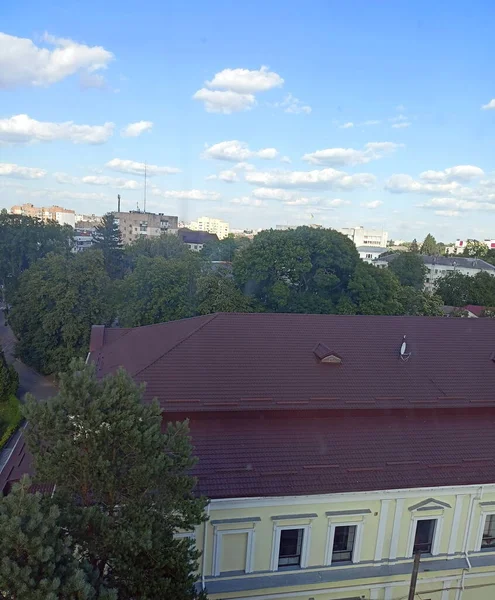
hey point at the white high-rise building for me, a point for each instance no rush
(366, 237)
(217, 226)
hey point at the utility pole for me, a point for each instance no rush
(414, 576)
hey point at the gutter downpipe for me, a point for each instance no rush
(203, 565)
(467, 531)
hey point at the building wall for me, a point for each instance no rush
(217, 226)
(63, 216)
(241, 554)
(366, 237)
(436, 272)
(133, 225)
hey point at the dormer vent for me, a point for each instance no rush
(325, 355)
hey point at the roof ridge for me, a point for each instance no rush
(212, 317)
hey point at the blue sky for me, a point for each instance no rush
(377, 106)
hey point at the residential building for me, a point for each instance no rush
(217, 226)
(83, 238)
(63, 216)
(135, 224)
(332, 448)
(370, 253)
(196, 239)
(460, 245)
(87, 220)
(439, 266)
(366, 237)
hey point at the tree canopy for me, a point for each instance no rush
(475, 249)
(108, 239)
(121, 483)
(409, 269)
(218, 292)
(58, 300)
(429, 246)
(9, 380)
(226, 249)
(457, 289)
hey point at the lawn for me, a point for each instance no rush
(10, 417)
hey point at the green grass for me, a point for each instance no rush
(10, 418)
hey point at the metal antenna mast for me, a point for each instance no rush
(144, 187)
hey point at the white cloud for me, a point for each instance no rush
(22, 63)
(247, 201)
(350, 156)
(403, 184)
(124, 184)
(348, 125)
(227, 176)
(273, 194)
(225, 102)
(286, 160)
(372, 205)
(18, 172)
(58, 195)
(293, 105)
(136, 129)
(244, 81)
(22, 129)
(400, 121)
(234, 151)
(186, 194)
(137, 168)
(244, 166)
(490, 105)
(66, 179)
(447, 213)
(401, 125)
(456, 205)
(317, 179)
(89, 81)
(337, 202)
(459, 173)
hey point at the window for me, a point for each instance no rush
(290, 547)
(343, 543)
(488, 540)
(423, 540)
(369, 256)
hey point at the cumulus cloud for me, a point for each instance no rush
(459, 173)
(317, 179)
(103, 180)
(22, 63)
(22, 129)
(232, 90)
(247, 201)
(403, 184)
(227, 176)
(244, 166)
(234, 151)
(286, 160)
(372, 205)
(137, 168)
(136, 129)
(292, 105)
(490, 105)
(89, 81)
(186, 194)
(350, 156)
(348, 125)
(457, 204)
(18, 172)
(438, 182)
(447, 213)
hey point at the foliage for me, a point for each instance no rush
(108, 239)
(23, 240)
(225, 250)
(414, 247)
(418, 303)
(285, 270)
(9, 380)
(217, 292)
(10, 419)
(489, 257)
(57, 302)
(166, 245)
(482, 289)
(475, 249)
(374, 291)
(453, 288)
(410, 270)
(159, 290)
(121, 483)
(429, 246)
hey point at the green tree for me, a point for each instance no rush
(108, 239)
(482, 290)
(454, 288)
(375, 291)
(300, 270)
(159, 289)
(225, 249)
(122, 483)
(37, 557)
(489, 257)
(217, 292)
(409, 269)
(57, 302)
(417, 303)
(475, 249)
(9, 380)
(429, 246)
(414, 247)
(23, 240)
(166, 246)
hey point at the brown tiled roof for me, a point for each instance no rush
(244, 362)
(270, 454)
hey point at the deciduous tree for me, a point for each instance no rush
(475, 249)
(108, 239)
(429, 246)
(218, 292)
(409, 269)
(9, 380)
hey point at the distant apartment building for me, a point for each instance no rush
(136, 224)
(366, 237)
(196, 239)
(220, 228)
(63, 216)
(83, 221)
(460, 245)
(370, 253)
(439, 266)
(83, 238)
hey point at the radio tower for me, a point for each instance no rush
(144, 187)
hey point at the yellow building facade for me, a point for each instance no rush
(243, 554)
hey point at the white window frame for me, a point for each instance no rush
(356, 552)
(479, 537)
(217, 548)
(306, 543)
(437, 534)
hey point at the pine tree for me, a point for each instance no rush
(107, 237)
(9, 380)
(121, 482)
(429, 246)
(414, 246)
(37, 560)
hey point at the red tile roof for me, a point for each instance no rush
(270, 454)
(244, 362)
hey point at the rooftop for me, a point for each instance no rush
(454, 261)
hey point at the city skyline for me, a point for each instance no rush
(342, 116)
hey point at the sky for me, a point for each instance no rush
(380, 114)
